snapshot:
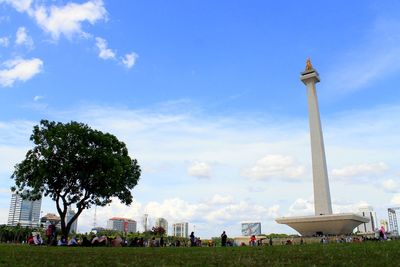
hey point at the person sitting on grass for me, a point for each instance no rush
(73, 242)
(116, 242)
(29, 240)
(141, 242)
(134, 242)
(62, 241)
(37, 240)
(85, 242)
(198, 242)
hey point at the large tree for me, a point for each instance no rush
(75, 166)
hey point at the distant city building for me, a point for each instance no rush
(181, 229)
(370, 226)
(24, 212)
(251, 228)
(68, 217)
(121, 224)
(161, 222)
(50, 218)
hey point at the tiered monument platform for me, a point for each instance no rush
(333, 224)
(323, 222)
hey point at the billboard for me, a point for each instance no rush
(252, 228)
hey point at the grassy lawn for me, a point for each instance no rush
(365, 254)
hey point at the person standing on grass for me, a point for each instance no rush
(223, 239)
(253, 240)
(192, 241)
(49, 234)
(382, 234)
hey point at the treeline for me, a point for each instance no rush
(16, 234)
(147, 235)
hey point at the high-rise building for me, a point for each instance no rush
(121, 224)
(181, 229)
(368, 227)
(161, 222)
(24, 212)
(68, 217)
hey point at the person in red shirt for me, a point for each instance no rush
(253, 240)
(30, 240)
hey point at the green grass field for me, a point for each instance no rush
(364, 254)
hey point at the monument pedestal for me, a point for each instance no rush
(332, 224)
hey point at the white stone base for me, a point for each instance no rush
(334, 224)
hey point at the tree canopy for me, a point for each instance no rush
(75, 165)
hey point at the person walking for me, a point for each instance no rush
(224, 237)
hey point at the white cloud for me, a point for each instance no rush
(367, 169)
(179, 210)
(9, 156)
(129, 60)
(19, 70)
(104, 51)
(350, 207)
(275, 166)
(115, 209)
(15, 133)
(37, 98)
(218, 199)
(22, 38)
(67, 20)
(391, 186)
(64, 20)
(199, 169)
(4, 41)
(395, 200)
(174, 209)
(301, 207)
(19, 5)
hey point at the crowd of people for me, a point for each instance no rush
(117, 241)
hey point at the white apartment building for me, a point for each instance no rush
(370, 226)
(181, 229)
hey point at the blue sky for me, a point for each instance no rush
(207, 97)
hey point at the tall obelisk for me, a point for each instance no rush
(323, 222)
(322, 195)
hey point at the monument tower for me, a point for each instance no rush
(324, 221)
(322, 195)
